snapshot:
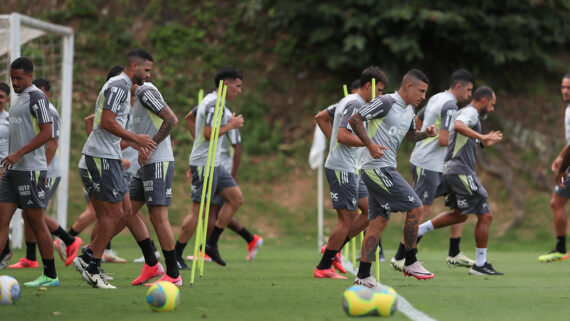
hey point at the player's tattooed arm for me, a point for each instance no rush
(357, 123)
(169, 122)
(416, 135)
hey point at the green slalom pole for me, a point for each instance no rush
(206, 173)
(215, 138)
(377, 257)
(345, 89)
(200, 95)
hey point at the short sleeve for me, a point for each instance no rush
(412, 125)
(56, 123)
(194, 111)
(331, 110)
(152, 100)
(377, 108)
(39, 108)
(234, 136)
(115, 95)
(210, 110)
(421, 113)
(468, 116)
(447, 113)
(350, 108)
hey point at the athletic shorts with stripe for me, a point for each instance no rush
(152, 184)
(388, 192)
(466, 194)
(344, 189)
(27, 189)
(51, 186)
(362, 190)
(220, 181)
(427, 184)
(564, 192)
(107, 176)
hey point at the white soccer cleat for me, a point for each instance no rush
(460, 260)
(96, 280)
(369, 282)
(397, 264)
(110, 256)
(418, 271)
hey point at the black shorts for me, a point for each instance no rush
(27, 189)
(108, 179)
(466, 194)
(427, 184)
(152, 184)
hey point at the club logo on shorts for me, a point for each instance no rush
(354, 202)
(148, 186)
(462, 203)
(426, 195)
(334, 196)
(96, 187)
(24, 190)
(386, 207)
(411, 198)
(168, 192)
(41, 194)
(115, 193)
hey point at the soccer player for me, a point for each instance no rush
(6, 253)
(223, 183)
(426, 161)
(23, 182)
(561, 193)
(390, 118)
(354, 86)
(348, 193)
(103, 159)
(152, 183)
(72, 244)
(465, 193)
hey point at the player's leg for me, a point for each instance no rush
(482, 266)
(7, 210)
(376, 225)
(187, 230)
(30, 260)
(557, 202)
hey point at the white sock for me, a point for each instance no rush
(424, 228)
(481, 256)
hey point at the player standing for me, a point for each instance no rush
(6, 253)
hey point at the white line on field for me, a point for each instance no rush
(403, 305)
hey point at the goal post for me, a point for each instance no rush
(53, 60)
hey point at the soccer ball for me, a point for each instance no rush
(163, 296)
(361, 301)
(9, 290)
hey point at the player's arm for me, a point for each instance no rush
(236, 160)
(486, 139)
(51, 149)
(190, 120)
(169, 121)
(558, 161)
(561, 173)
(447, 113)
(415, 135)
(88, 121)
(345, 135)
(373, 109)
(323, 119)
(420, 117)
(235, 122)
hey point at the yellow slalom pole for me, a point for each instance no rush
(377, 257)
(345, 89)
(205, 172)
(215, 138)
(200, 95)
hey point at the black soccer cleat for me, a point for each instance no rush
(212, 251)
(181, 264)
(486, 269)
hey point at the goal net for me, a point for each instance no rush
(50, 47)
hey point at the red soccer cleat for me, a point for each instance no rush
(337, 261)
(24, 263)
(253, 247)
(148, 272)
(327, 274)
(72, 250)
(177, 281)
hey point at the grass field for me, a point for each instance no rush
(278, 285)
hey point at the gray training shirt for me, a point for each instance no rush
(439, 111)
(4, 134)
(389, 120)
(462, 150)
(230, 139)
(205, 118)
(54, 168)
(30, 110)
(567, 124)
(145, 119)
(343, 157)
(116, 97)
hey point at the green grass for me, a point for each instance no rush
(278, 285)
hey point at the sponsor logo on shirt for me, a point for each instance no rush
(395, 131)
(24, 190)
(15, 120)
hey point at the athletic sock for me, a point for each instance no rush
(67, 238)
(326, 260)
(6, 249)
(424, 228)
(153, 245)
(454, 246)
(411, 257)
(72, 232)
(215, 236)
(171, 265)
(87, 255)
(418, 240)
(246, 235)
(364, 270)
(401, 253)
(148, 253)
(31, 251)
(94, 266)
(561, 243)
(179, 249)
(49, 268)
(480, 256)
(108, 246)
(346, 240)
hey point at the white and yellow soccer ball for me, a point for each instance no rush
(10, 290)
(361, 301)
(163, 296)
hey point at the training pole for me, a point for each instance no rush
(377, 251)
(205, 173)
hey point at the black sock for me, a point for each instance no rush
(418, 239)
(108, 246)
(6, 248)
(215, 236)
(454, 246)
(561, 244)
(72, 232)
(179, 249)
(31, 251)
(49, 268)
(87, 255)
(246, 235)
(171, 266)
(153, 245)
(94, 266)
(148, 253)
(401, 253)
(411, 257)
(67, 238)
(380, 246)
(364, 270)
(326, 260)
(346, 240)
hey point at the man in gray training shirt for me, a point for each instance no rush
(465, 193)
(6, 254)
(390, 118)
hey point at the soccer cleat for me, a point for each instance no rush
(337, 260)
(553, 256)
(212, 251)
(97, 280)
(148, 272)
(105, 275)
(397, 264)
(418, 271)
(486, 269)
(72, 250)
(60, 247)
(176, 281)
(369, 282)
(110, 256)
(80, 264)
(327, 274)
(24, 263)
(141, 259)
(42, 281)
(4, 259)
(181, 264)
(207, 258)
(253, 247)
(460, 260)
